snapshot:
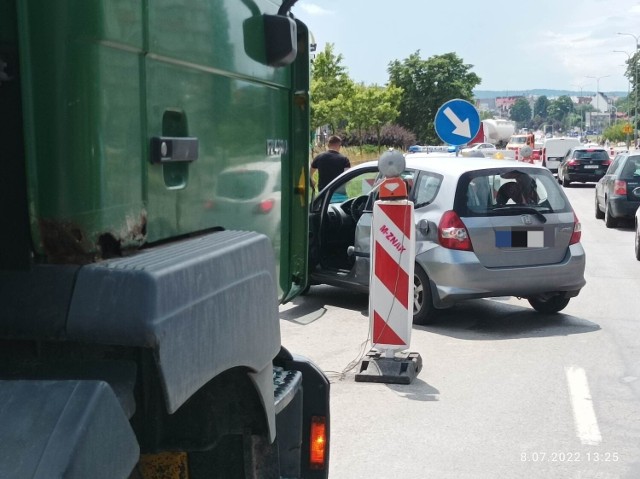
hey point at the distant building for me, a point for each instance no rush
(600, 102)
(505, 103)
(486, 104)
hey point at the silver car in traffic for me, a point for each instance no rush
(484, 228)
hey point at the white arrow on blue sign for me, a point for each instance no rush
(457, 122)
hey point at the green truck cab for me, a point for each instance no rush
(154, 202)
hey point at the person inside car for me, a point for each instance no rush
(520, 191)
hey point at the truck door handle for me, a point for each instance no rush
(166, 149)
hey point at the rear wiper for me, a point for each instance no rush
(522, 209)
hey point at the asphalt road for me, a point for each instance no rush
(504, 392)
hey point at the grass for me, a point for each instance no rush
(356, 156)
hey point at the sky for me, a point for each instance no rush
(513, 46)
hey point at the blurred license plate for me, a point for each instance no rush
(590, 167)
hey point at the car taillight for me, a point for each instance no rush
(606, 162)
(572, 162)
(577, 230)
(620, 187)
(452, 233)
(318, 443)
(265, 206)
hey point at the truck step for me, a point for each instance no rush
(286, 385)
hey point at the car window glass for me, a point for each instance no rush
(615, 165)
(485, 193)
(357, 186)
(426, 189)
(591, 155)
(631, 168)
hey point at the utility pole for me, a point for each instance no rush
(581, 110)
(597, 79)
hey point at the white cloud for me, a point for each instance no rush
(313, 9)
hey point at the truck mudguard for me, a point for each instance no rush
(180, 300)
(64, 430)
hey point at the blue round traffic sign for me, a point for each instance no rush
(457, 122)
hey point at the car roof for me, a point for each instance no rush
(590, 148)
(452, 165)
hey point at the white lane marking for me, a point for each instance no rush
(583, 413)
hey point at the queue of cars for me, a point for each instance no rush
(484, 228)
(617, 189)
(617, 193)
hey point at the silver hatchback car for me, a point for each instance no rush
(484, 228)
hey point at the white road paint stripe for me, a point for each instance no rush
(583, 412)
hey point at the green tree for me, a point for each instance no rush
(560, 108)
(521, 111)
(372, 107)
(486, 115)
(633, 75)
(558, 112)
(615, 133)
(540, 107)
(426, 85)
(330, 88)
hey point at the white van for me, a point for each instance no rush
(554, 149)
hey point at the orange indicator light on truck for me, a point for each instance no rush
(318, 442)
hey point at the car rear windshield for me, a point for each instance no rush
(500, 191)
(591, 155)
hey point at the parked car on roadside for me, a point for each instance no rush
(484, 228)
(485, 148)
(583, 165)
(617, 193)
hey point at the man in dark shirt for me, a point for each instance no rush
(329, 164)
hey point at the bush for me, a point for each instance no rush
(391, 136)
(396, 136)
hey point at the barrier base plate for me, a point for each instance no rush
(400, 369)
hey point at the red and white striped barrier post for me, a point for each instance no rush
(391, 280)
(392, 258)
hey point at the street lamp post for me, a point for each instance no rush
(597, 79)
(635, 110)
(628, 89)
(615, 113)
(581, 111)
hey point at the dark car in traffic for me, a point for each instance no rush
(583, 164)
(618, 191)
